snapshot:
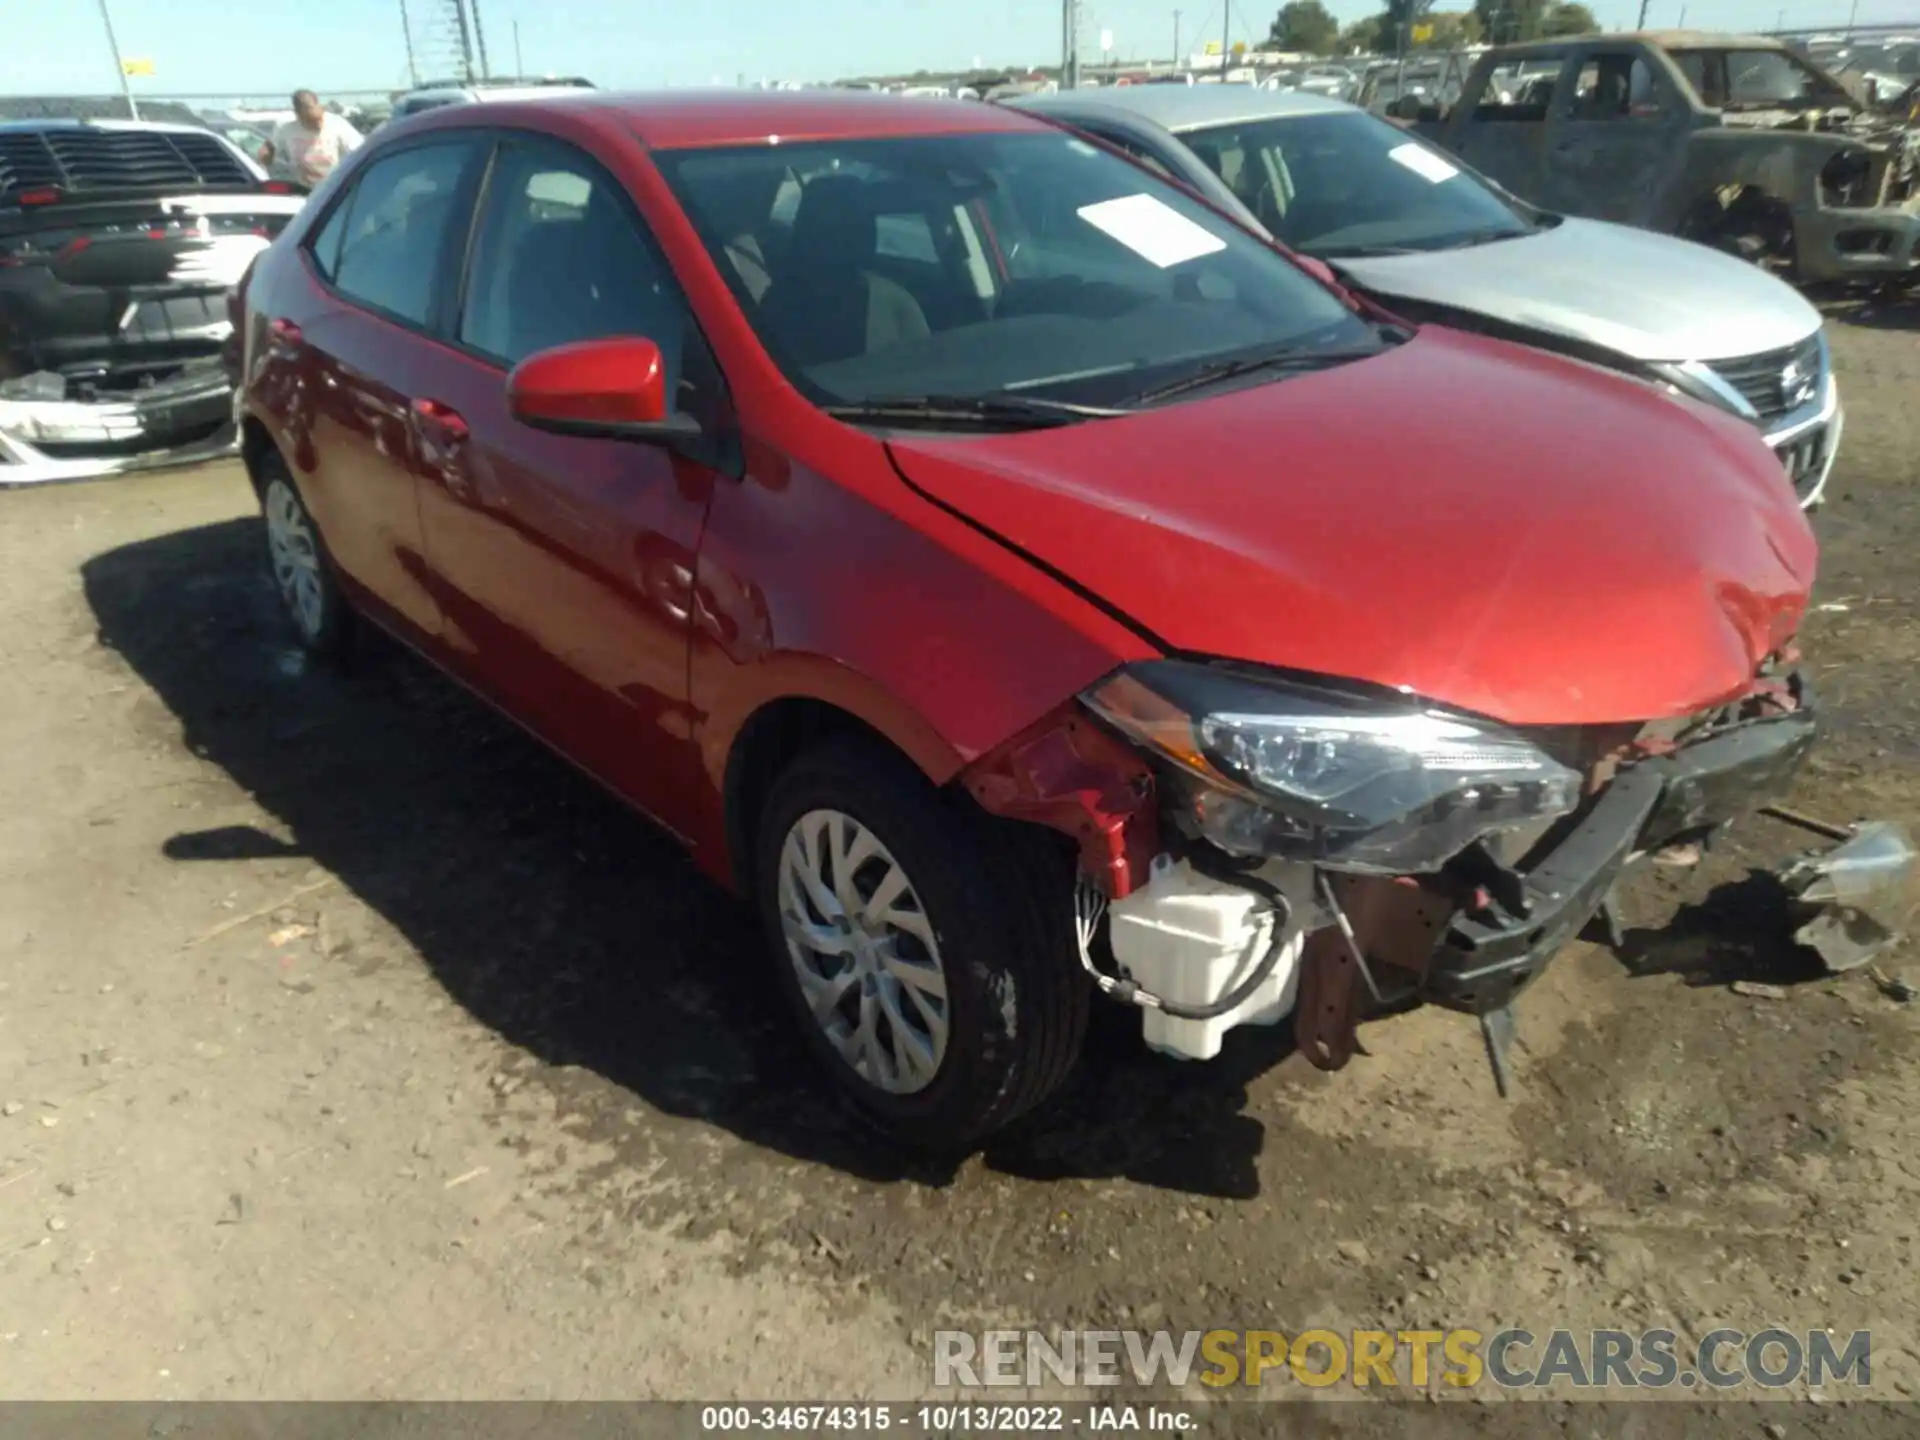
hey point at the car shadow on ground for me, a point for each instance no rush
(1883, 307)
(557, 918)
(1741, 930)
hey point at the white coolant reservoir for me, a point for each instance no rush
(1190, 939)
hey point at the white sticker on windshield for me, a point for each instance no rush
(1152, 229)
(1424, 163)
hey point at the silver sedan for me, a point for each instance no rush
(1432, 240)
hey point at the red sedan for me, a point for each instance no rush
(1017, 579)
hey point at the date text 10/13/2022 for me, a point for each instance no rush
(946, 1419)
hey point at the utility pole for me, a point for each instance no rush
(1176, 39)
(480, 37)
(1643, 15)
(519, 65)
(1852, 15)
(1070, 44)
(406, 33)
(466, 39)
(126, 84)
(1226, 37)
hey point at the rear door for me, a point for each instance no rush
(565, 565)
(349, 349)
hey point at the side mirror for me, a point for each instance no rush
(611, 389)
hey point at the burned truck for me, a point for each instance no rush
(1732, 141)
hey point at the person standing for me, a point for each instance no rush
(312, 143)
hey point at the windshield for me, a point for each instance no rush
(1345, 184)
(980, 264)
(1775, 77)
(1884, 62)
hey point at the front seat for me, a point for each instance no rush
(826, 303)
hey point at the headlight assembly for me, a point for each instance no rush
(1265, 766)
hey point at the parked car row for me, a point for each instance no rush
(1020, 578)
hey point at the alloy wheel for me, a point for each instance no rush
(295, 554)
(863, 951)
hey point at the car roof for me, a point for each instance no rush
(685, 119)
(1659, 39)
(1186, 107)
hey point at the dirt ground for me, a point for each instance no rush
(351, 1046)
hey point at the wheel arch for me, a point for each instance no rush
(782, 728)
(255, 446)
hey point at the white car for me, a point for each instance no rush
(471, 92)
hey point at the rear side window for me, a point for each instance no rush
(383, 243)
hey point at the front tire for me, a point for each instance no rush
(925, 947)
(302, 574)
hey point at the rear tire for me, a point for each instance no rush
(936, 978)
(302, 571)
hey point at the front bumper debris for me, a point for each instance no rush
(1488, 956)
(1852, 903)
(186, 418)
(1475, 944)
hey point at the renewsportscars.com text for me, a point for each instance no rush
(1513, 1359)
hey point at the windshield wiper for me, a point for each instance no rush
(1486, 236)
(1026, 412)
(1361, 252)
(1275, 360)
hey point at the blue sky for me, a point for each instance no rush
(268, 46)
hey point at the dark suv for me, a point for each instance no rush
(118, 241)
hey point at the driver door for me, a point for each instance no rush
(564, 565)
(1614, 122)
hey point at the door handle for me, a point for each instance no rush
(438, 415)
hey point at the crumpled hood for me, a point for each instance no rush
(1647, 296)
(1490, 527)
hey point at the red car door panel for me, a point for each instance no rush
(562, 566)
(342, 357)
(562, 569)
(361, 488)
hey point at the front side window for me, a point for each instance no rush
(559, 256)
(1038, 264)
(1343, 185)
(382, 245)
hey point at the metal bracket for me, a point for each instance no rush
(1497, 1030)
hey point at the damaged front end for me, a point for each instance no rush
(1835, 195)
(1255, 846)
(118, 244)
(54, 427)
